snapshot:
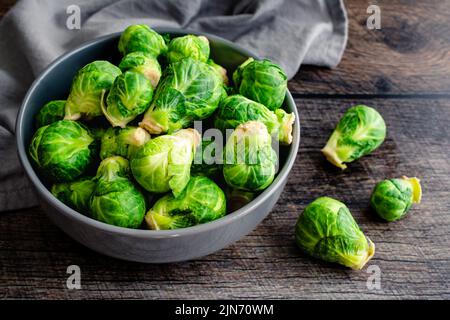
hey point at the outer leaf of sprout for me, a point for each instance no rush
(50, 112)
(84, 99)
(200, 202)
(189, 46)
(190, 90)
(122, 142)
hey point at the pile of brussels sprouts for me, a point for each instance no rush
(121, 147)
(326, 228)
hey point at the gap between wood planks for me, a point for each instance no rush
(431, 96)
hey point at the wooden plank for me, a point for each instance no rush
(409, 54)
(412, 254)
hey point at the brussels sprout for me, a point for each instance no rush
(326, 230)
(205, 163)
(141, 38)
(200, 202)
(75, 194)
(262, 81)
(250, 161)
(236, 199)
(391, 199)
(50, 112)
(237, 109)
(130, 96)
(190, 90)
(63, 150)
(115, 199)
(87, 89)
(189, 46)
(360, 131)
(163, 163)
(122, 142)
(144, 64)
(220, 71)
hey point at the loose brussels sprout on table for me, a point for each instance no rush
(50, 112)
(391, 199)
(163, 163)
(63, 150)
(140, 38)
(190, 90)
(190, 46)
(130, 95)
(250, 162)
(76, 194)
(262, 81)
(200, 202)
(326, 230)
(144, 64)
(122, 141)
(359, 132)
(87, 88)
(115, 199)
(237, 109)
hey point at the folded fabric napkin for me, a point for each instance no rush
(34, 33)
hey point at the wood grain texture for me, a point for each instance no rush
(412, 254)
(409, 54)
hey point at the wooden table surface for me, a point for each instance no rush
(403, 70)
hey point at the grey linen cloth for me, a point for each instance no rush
(34, 33)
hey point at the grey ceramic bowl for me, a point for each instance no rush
(143, 245)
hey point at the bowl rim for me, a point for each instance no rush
(142, 233)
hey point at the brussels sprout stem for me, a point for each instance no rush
(416, 187)
(286, 121)
(107, 116)
(191, 135)
(370, 253)
(331, 156)
(153, 122)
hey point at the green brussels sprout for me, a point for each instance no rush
(122, 141)
(237, 109)
(76, 194)
(85, 95)
(189, 46)
(50, 112)
(190, 90)
(63, 150)
(236, 198)
(141, 38)
(326, 230)
(391, 199)
(142, 63)
(163, 163)
(115, 199)
(360, 131)
(200, 202)
(262, 81)
(129, 96)
(205, 163)
(220, 71)
(250, 162)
